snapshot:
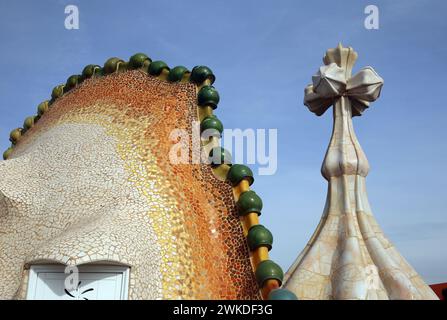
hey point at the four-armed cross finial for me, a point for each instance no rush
(334, 80)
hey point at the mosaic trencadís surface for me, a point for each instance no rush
(92, 181)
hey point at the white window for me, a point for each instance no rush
(95, 282)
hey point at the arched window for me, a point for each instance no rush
(84, 282)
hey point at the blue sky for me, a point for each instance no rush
(264, 54)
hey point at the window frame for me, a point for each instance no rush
(85, 268)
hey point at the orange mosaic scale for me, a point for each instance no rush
(214, 261)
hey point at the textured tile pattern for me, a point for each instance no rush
(91, 181)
